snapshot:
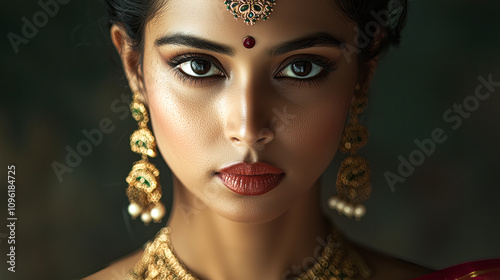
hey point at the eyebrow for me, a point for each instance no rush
(309, 41)
(195, 42)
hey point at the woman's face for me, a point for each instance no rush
(214, 103)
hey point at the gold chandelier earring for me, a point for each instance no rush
(144, 190)
(353, 177)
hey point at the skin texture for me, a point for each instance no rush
(247, 112)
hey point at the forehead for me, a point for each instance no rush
(210, 19)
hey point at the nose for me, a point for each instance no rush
(249, 113)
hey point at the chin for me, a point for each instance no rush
(252, 210)
(221, 202)
(239, 214)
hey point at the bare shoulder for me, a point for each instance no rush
(118, 269)
(387, 268)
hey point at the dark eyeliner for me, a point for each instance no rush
(318, 60)
(327, 65)
(177, 60)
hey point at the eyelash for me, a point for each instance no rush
(177, 60)
(321, 61)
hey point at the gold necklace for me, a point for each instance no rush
(336, 262)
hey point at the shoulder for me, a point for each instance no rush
(118, 269)
(386, 267)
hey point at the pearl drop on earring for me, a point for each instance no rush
(146, 218)
(359, 211)
(332, 202)
(348, 210)
(340, 206)
(158, 212)
(134, 210)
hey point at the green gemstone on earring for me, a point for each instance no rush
(144, 181)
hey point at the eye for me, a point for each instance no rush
(199, 68)
(301, 69)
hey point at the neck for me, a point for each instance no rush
(214, 247)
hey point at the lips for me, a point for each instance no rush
(251, 179)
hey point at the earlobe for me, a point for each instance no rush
(130, 59)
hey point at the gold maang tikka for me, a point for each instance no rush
(250, 10)
(144, 190)
(353, 178)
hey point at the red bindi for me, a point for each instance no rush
(249, 42)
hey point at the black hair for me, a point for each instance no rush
(382, 20)
(386, 16)
(132, 16)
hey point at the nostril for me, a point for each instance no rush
(265, 135)
(262, 140)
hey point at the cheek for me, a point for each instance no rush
(325, 131)
(170, 124)
(313, 136)
(182, 127)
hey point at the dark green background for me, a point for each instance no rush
(66, 78)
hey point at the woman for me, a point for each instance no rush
(248, 114)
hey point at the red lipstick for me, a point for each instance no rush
(251, 178)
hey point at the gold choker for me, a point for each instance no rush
(159, 262)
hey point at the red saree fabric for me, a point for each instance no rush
(476, 270)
